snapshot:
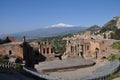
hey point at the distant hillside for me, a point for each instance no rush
(114, 26)
(109, 26)
(47, 32)
(94, 28)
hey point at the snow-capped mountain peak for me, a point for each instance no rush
(61, 25)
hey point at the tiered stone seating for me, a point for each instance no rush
(103, 71)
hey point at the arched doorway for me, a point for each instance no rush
(96, 52)
(10, 52)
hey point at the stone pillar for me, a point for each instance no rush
(24, 39)
(27, 53)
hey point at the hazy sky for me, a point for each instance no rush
(25, 15)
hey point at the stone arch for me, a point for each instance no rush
(96, 52)
(47, 50)
(43, 50)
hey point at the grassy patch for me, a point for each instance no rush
(116, 75)
(2, 60)
(113, 76)
(113, 57)
(18, 66)
(116, 45)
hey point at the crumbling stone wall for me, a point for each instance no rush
(47, 50)
(84, 46)
(11, 50)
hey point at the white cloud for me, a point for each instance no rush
(62, 25)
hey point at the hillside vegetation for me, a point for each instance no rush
(116, 34)
(94, 28)
(109, 26)
(116, 45)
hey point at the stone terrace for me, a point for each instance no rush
(51, 66)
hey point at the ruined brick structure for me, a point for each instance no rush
(12, 49)
(18, 49)
(7, 40)
(84, 46)
(10, 38)
(46, 49)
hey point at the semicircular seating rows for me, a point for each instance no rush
(104, 71)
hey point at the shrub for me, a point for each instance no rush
(113, 57)
(116, 45)
(18, 66)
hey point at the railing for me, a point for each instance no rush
(7, 67)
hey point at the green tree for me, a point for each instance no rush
(116, 45)
(117, 34)
(59, 46)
